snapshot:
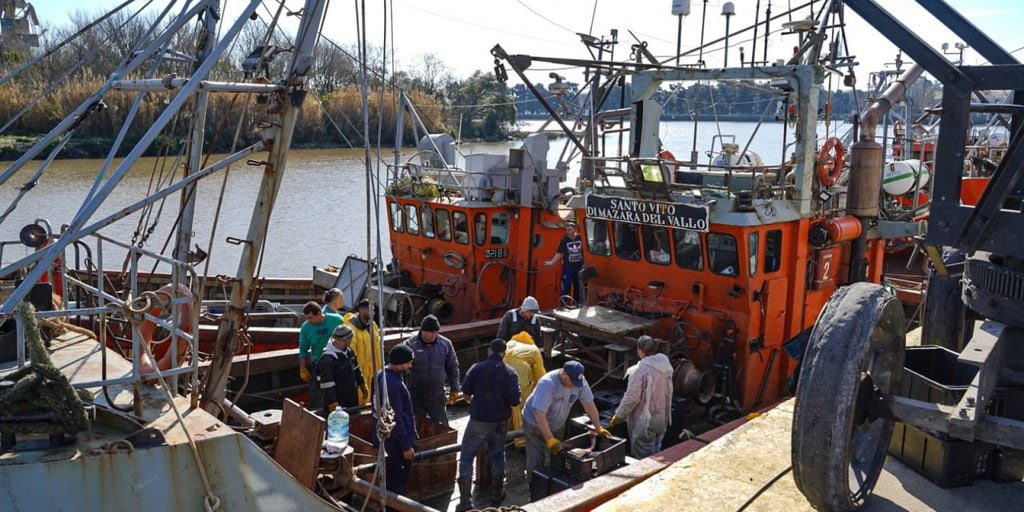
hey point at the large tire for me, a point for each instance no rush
(854, 354)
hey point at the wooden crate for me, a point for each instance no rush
(429, 478)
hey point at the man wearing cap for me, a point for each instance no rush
(522, 319)
(398, 447)
(334, 301)
(338, 371)
(314, 335)
(570, 250)
(435, 361)
(366, 342)
(492, 389)
(547, 410)
(647, 404)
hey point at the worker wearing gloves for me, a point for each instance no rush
(647, 405)
(522, 319)
(366, 342)
(435, 362)
(523, 355)
(338, 371)
(547, 410)
(314, 335)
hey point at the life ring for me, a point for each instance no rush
(148, 329)
(667, 155)
(830, 167)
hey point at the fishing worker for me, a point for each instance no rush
(570, 250)
(523, 355)
(435, 361)
(314, 335)
(522, 319)
(547, 410)
(334, 301)
(339, 373)
(646, 407)
(398, 447)
(492, 388)
(366, 342)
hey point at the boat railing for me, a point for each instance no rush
(100, 307)
(762, 181)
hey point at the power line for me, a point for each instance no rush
(545, 18)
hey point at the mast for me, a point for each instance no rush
(195, 147)
(286, 105)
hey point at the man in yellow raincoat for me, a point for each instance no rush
(367, 351)
(523, 355)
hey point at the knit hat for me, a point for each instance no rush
(497, 346)
(574, 369)
(344, 332)
(365, 303)
(530, 304)
(400, 354)
(430, 323)
(524, 337)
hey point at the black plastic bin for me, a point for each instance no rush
(608, 454)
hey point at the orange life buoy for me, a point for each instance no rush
(667, 155)
(830, 166)
(148, 329)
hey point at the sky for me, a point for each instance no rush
(461, 32)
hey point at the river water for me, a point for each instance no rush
(320, 217)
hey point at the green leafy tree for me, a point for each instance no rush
(485, 106)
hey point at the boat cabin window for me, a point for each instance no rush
(597, 237)
(499, 228)
(723, 254)
(656, 246)
(480, 225)
(428, 222)
(412, 215)
(397, 218)
(444, 225)
(627, 241)
(461, 227)
(752, 245)
(689, 251)
(772, 250)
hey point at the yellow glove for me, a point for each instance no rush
(454, 397)
(304, 374)
(603, 432)
(554, 446)
(332, 406)
(614, 421)
(362, 387)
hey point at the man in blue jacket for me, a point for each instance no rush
(435, 361)
(492, 388)
(398, 447)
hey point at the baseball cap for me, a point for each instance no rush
(574, 369)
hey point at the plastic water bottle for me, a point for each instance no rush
(337, 429)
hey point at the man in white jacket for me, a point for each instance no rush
(647, 405)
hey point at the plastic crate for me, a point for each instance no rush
(933, 374)
(608, 454)
(946, 462)
(544, 482)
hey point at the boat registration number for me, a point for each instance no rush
(496, 254)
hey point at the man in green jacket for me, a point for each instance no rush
(314, 335)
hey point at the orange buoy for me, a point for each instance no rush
(830, 161)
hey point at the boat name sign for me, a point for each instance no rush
(636, 211)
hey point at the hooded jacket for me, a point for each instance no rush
(527, 361)
(364, 347)
(647, 404)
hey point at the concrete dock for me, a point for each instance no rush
(749, 469)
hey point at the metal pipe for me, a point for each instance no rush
(238, 414)
(163, 85)
(892, 95)
(392, 500)
(512, 435)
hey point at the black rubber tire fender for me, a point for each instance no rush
(860, 331)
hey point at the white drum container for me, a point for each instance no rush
(899, 176)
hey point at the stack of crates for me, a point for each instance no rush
(568, 471)
(933, 374)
